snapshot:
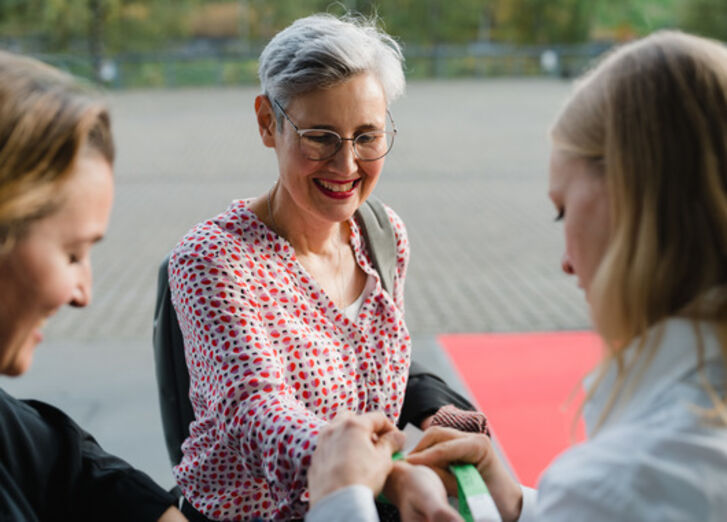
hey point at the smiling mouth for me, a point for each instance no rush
(337, 186)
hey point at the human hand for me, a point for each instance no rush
(353, 450)
(441, 447)
(418, 494)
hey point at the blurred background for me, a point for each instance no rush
(171, 43)
(468, 175)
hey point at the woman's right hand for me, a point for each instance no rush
(441, 447)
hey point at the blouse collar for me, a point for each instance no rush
(670, 354)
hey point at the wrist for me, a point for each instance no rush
(506, 493)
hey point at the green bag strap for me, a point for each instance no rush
(380, 239)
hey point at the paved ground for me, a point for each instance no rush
(467, 174)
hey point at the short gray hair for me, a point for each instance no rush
(322, 50)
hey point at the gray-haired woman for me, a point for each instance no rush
(285, 319)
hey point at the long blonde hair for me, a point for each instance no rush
(46, 119)
(653, 116)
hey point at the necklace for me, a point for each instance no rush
(339, 277)
(340, 302)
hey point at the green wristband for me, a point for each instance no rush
(475, 501)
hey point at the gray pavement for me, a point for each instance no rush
(468, 174)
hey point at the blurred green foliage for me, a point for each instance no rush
(143, 25)
(185, 42)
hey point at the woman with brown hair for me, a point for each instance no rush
(56, 189)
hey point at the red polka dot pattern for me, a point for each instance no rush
(272, 359)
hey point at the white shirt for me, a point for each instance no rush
(352, 310)
(653, 459)
(350, 504)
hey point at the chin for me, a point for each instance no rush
(21, 362)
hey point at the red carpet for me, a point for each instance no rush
(523, 383)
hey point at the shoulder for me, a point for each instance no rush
(396, 222)
(15, 412)
(31, 433)
(220, 236)
(376, 211)
(401, 237)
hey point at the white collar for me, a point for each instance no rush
(670, 355)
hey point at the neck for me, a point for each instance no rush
(305, 232)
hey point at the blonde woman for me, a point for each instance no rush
(638, 176)
(56, 189)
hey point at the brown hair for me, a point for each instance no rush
(46, 120)
(653, 117)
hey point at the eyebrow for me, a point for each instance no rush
(361, 128)
(91, 238)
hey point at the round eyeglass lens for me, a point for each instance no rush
(374, 144)
(319, 144)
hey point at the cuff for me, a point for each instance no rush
(530, 498)
(452, 417)
(350, 504)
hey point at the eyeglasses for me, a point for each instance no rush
(323, 144)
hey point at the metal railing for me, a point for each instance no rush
(220, 67)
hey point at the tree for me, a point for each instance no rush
(705, 17)
(543, 21)
(626, 19)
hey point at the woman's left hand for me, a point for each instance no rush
(441, 447)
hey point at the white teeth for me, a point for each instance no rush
(336, 187)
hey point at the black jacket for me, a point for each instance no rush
(50, 469)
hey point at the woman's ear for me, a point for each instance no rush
(266, 121)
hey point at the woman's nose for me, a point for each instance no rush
(82, 293)
(566, 265)
(345, 159)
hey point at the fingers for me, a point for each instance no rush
(391, 441)
(436, 435)
(469, 448)
(442, 455)
(376, 422)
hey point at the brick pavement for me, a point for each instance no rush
(467, 174)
